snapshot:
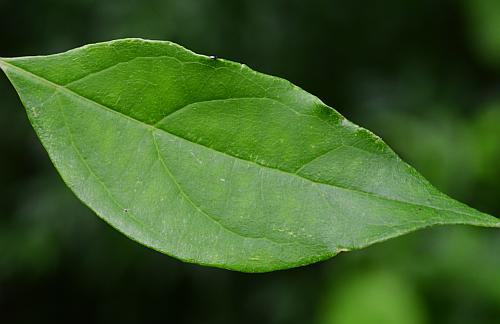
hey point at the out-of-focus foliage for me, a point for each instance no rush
(484, 23)
(411, 71)
(373, 298)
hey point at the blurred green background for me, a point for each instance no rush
(422, 74)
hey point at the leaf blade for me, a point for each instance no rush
(273, 196)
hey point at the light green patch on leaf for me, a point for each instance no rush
(211, 162)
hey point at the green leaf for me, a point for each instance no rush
(211, 162)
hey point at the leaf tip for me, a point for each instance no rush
(3, 64)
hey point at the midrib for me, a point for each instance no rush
(143, 124)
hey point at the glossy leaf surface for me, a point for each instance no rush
(211, 162)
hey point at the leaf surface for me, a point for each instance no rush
(211, 162)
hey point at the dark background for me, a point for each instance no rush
(422, 74)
